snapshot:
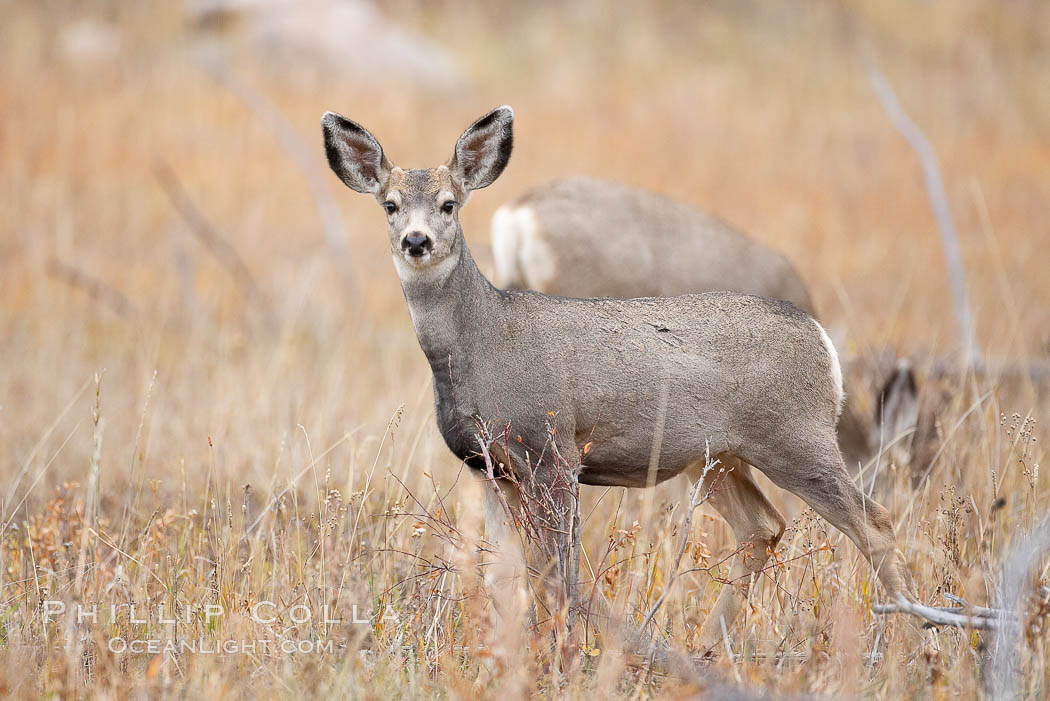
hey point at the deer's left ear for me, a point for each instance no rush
(483, 151)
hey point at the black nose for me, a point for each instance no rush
(416, 244)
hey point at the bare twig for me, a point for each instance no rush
(548, 522)
(92, 286)
(931, 172)
(695, 500)
(973, 610)
(335, 234)
(957, 616)
(209, 236)
(1003, 678)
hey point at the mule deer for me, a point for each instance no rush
(588, 237)
(631, 392)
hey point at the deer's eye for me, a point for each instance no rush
(390, 207)
(448, 207)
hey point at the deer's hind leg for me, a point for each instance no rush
(818, 475)
(757, 527)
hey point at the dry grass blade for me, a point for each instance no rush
(756, 112)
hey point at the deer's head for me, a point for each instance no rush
(421, 204)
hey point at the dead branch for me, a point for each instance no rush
(931, 172)
(973, 610)
(1035, 369)
(957, 616)
(335, 234)
(210, 237)
(92, 286)
(1006, 622)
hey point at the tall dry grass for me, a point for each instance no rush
(161, 441)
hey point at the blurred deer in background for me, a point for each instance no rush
(588, 237)
(627, 392)
(899, 430)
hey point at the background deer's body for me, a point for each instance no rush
(588, 237)
(750, 380)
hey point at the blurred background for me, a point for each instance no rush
(168, 223)
(164, 204)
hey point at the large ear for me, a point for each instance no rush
(898, 409)
(354, 154)
(484, 149)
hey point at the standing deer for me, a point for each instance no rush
(588, 237)
(653, 385)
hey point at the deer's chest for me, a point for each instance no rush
(456, 414)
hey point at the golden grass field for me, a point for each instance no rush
(170, 436)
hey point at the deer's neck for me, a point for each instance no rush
(451, 304)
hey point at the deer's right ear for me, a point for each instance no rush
(354, 154)
(898, 409)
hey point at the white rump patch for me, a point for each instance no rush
(836, 368)
(505, 241)
(522, 258)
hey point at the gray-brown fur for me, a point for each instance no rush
(749, 380)
(598, 238)
(596, 362)
(589, 237)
